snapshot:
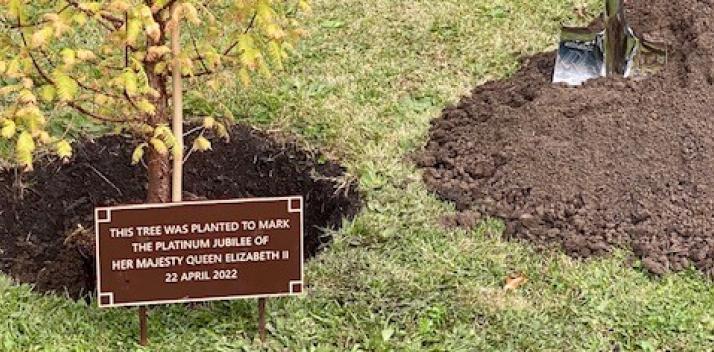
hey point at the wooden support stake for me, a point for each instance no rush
(261, 318)
(143, 327)
(177, 121)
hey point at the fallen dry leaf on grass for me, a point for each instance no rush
(514, 281)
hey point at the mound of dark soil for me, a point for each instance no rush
(614, 163)
(46, 216)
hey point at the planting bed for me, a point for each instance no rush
(614, 163)
(47, 237)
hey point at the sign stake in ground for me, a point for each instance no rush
(143, 326)
(203, 251)
(262, 302)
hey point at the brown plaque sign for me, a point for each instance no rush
(199, 251)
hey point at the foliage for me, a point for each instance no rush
(395, 279)
(111, 60)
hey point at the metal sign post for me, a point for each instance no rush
(261, 318)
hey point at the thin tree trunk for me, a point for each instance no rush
(159, 166)
(159, 172)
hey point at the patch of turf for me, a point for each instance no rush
(364, 87)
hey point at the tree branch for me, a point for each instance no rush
(206, 71)
(32, 57)
(81, 85)
(200, 57)
(116, 22)
(49, 80)
(167, 5)
(250, 26)
(82, 110)
(31, 25)
(97, 90)
(200, 74)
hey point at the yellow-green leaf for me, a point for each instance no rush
(26, 97)
(27, 83)
(264, 12)
(264, 70)
(63, 149)
(157, 52)
(144, 12)
(119, 5)
(138, 154)
(44, 138)
(41, 37)
(92, 7)
(67, 88)
(31, 118)
(275, 52)
(132, 32)
(48, 93)
(273, 31)
(159, 146)
(131, 82)
(202, 144)
(80, 18)
(244, 76)
(146, 107)
(69, 56)
(24, 147)
(85, 55)
(248, 51)
(160, 130)
(160, 68)
(153, 31)
(24, 158)
(190, 13)
(209, 122)
(14, 68)
(101, 99)
(222, 131)
(304, 5)
(8, 129)
(15, 9)
(9, 89)
(25, 142)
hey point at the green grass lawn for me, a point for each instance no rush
(364, 87)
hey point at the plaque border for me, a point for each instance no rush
(106, 213)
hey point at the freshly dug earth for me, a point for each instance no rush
(46, 218)
(614, 163)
